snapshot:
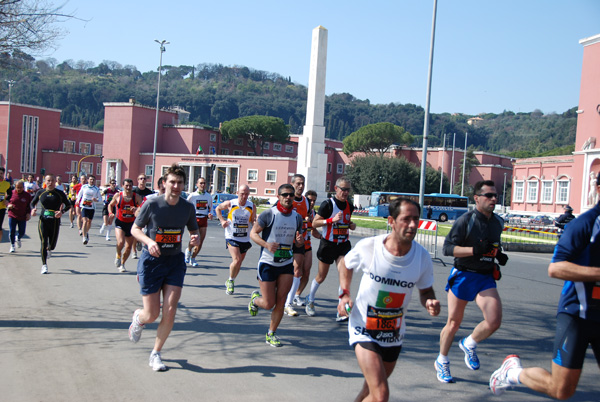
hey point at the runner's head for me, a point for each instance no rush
(286, 194)
(243, 193)
(160, 185)
(74, 179)
(174, 181)
(50, 181)
(19, 186)
(142, 181)
(342, 189)
(311, 195)
(404, 219)
(82, 178)
(201, 184)
(298, 181)
(91, 179)
(58, 180)
(128, 186)
(2, 171)
(485, 196)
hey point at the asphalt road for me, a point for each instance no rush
(63, 336)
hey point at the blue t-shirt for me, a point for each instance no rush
(580, 244)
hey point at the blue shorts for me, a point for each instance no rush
(242, 245)
(155, 272)
(87, 213)
(573, 335)
(467, 285)
(269, 273)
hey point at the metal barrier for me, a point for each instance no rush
(427, 236)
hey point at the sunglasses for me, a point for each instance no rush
(141, 178)
(286, 195)
(344, 188)
(489, 195)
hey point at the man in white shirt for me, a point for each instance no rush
(86, 198)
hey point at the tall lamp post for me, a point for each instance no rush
(162, 50)
(504, 195)
(10, 84)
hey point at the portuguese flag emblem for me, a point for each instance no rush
(390, 300)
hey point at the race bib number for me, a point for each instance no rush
(86, 203)
(240, 229)
(201, 205)
(48, 213)
(283, 253)
(383, 324)
(127, 212)
(168, 238)
(340, 231)
(595, 299)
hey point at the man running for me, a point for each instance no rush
(125, 203)
(82, 182)
(576, 261)
(237, 224)
(31, 186)
(377, 321)
(202, 201)
(276, 231)
(143, 191)
(60, 185)
(5, 194)
(19, 212)
(74, 188)
(54, 203)
(334, 215)
(161, 268)
(86, 198)
(108, 195)
(474, 241)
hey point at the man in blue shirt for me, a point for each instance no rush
(576, 260)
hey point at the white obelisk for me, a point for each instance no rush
(312, 160)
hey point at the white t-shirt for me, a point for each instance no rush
(87, 196)
(385, 289)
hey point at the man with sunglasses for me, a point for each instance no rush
(474, 241)
(143, 192)
(276, 231)
(334, 216)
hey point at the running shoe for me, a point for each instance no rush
(273, 340)
(443, 372)
(122, 268)
(289, 310)
(499, 382)
(135, 256)
(187, 256)
(138, 246)
(117, 262)
(80, 232)
(193, 262)
(72, 225)
(230, 286)
(12, 248)
(251, 307)
(135, 329)
(102, 228)
(156, 362)
(298, 302)
(18, 242)
(471, 359)
(341, 318)
(44, 269)
(48, 253)
(85, 240)
(310, 308)
(107, 236)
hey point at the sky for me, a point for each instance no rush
(489, 56)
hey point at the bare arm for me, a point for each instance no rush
(460, 251)
(345, 276)
(220, 208)
(428, 300)
(113, 203)
(256, 238)
(140, 236)
(569, 271)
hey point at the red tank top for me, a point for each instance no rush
(124, 209)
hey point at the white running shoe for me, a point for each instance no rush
(156, 362)
(135, 256)
(18, 242)
(187, 256)
(72, 225)
(122, 268)
(107, 237)
(12, 249)
(44, 269)
(298, 302)
(289, 310)
(499, 381)
(443, 372)
(117, 262)
(85, 240)
(194, 262)
(102, 228)
(135, 329)
(310, 308)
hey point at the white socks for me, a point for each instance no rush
(314, 286)
(293, 290)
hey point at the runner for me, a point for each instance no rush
(86, 198)
(474, 241)
(377, 322)
(74, 188)
(125, 203)
(143, 192)
(237, 225)
(162, 268)
(31, 186)
(54, 203)
(334, 214)
(19, 212)
(202, 201)
(108, 195)
(82, 182)
(5, 194)
(575, 261)
(60, 185)
(281, 229)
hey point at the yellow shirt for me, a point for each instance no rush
(4, 186)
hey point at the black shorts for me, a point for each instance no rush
(242, 245)
(2, 215)
(269, 273)
(388, 354)
(105, 210)
(87, 213)
(124, 226)
(329, 251)
(573, 335)
(298, 250)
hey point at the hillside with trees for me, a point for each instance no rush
(214, 93)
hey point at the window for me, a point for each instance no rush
(212, 150)
(224, 151)
(250, 153)
(266, 145)
(98, 169)
(276, 147)
(289, 149)
(340, 168)
(265, 154)
(148, 171)
(74, 168)
(547, 191)
(532, 191)
(29, 143)
(85, 148)
(329, 168)
(213, 136)
(252, 190)
(270, 191)
(69, 146)
(237, 152)
(271, 175)
(252, 175)
(328, 186)
(239, 141)
(562, 191)
(97, 149)
(519, 191)
(225, 140)
(87, 167)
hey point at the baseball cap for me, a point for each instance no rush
(568, 208)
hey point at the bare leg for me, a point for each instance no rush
(559, 384)
(171, 295)
(456, 311)
(491, 307)
(376, 372)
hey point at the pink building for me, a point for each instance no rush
(545, 185)
(38, 143)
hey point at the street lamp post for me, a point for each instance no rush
(10, 84)
(504, 195)
(162, 50)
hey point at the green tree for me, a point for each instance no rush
(257, 130)
(372, 173)
(471, 161)
(376, 138)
